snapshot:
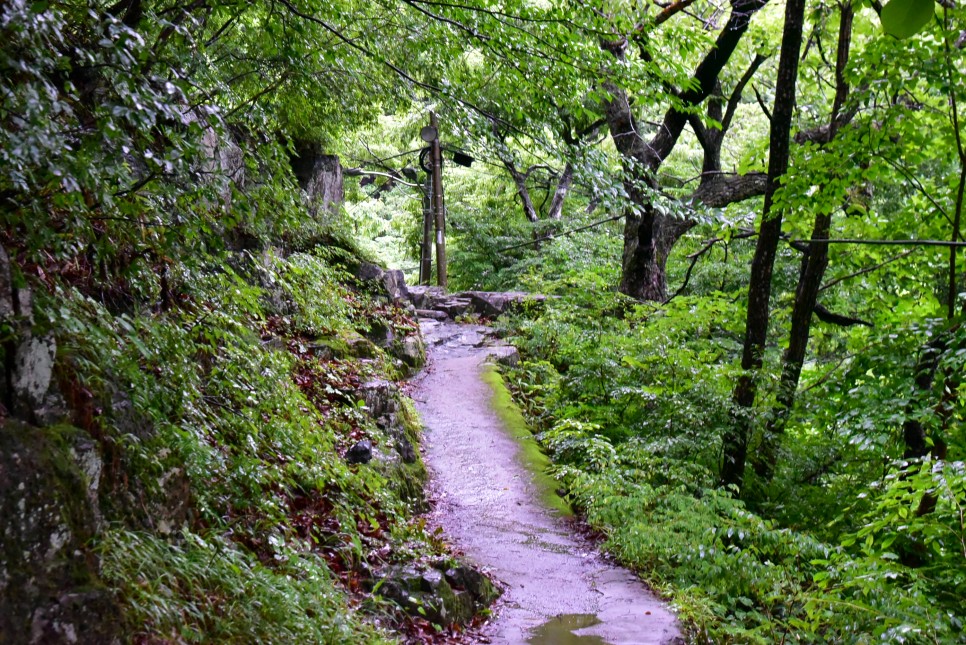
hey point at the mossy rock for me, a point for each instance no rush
(411, 352)
(347, 344)
(49, 589)
(440, 593)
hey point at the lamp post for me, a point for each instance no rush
(437, 209)
(440, 206)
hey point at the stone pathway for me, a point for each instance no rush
(558, 588)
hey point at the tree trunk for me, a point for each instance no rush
(917, 441)
(564, 183)
(648, 239)
(520, 181)
(735, 441)
(809, 282)
(648, 235)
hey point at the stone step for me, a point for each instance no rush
(431, 313)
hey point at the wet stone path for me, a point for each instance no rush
(557, 589)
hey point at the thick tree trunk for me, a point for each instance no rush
(648, 240)
(735, 441)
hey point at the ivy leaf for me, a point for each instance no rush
(905, 18)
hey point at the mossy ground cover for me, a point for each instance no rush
(531, 454)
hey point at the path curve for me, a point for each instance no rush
(558, 589)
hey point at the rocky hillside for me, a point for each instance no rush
(237, 465)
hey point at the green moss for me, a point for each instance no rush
(408, 479)
(530, 455)
(409, 418)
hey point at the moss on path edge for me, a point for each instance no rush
(530, 455)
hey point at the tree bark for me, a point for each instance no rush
(809, 283)
(564, 183)
(914, 433)
(520, 181)
(735, 440)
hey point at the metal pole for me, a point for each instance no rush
(438, 205)
(426, 249)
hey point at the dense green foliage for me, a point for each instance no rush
(209, 334)
(631, 411)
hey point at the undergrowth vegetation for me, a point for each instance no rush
(190, 355)
(630, 400)
(197, 340)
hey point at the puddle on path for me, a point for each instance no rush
(557, 587)
(560, 631)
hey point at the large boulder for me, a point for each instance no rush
(424, 297)
(412, 352)
(391, 283)
(494, 304)
(428, 300)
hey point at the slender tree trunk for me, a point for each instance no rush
(735, 441)
(564, 183)
(520, 181)
(529, 210)
(944, 410)
(914, 433)
(918, 442)
(809, 282)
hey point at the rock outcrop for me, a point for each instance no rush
(27, 388)
(445, 592)
(391, 281)
(50, 478)
(320, 176)
(394, 451)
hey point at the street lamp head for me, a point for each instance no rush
(462, 159)
(428, 134)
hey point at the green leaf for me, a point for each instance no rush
(905, 18)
